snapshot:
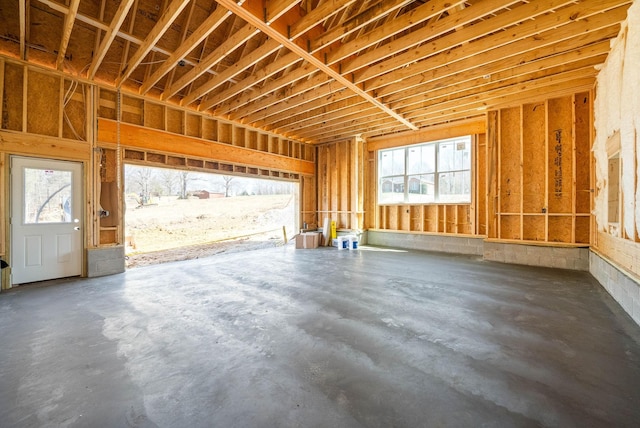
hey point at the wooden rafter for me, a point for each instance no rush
(23, 28)
(317, 15)
(246, 102)
(167, 18)
(209, 25)
(527, 39)
(69, 21)
(110, 35)
(415, 17)
(357, 22)
(257, 55)
(439, 28)
(284, 41)
(274, 9)
(229, 45)
(256, 77)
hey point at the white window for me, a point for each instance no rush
(433, 172)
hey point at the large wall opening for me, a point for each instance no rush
(179, 215)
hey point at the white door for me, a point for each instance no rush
(46, 225)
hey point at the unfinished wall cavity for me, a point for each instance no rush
(617, 111)
(539, 171)
(617, 201)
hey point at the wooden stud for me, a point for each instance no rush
(69, 21)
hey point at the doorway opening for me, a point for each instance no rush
(176, 215)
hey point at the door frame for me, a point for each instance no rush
(7, 280)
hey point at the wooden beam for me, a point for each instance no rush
(323, 11)
(319, 64)
(274, 9)
(241, 103)
(229, 45)
(109, 37)
(283, 110)
(255, 78)
(22, 4)
(313, 117)
(133, 136)
(434, 32)
(69, 21)
(126, 36)
(269, 47)
(209, 25)
(23, 143)
(523, 73)
(540, 46)
(431, 133)
(163, 24)
(425, 56)
(418, 15)
(357, 22)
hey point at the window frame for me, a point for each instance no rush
(436, 173)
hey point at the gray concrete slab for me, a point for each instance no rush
(320, 338)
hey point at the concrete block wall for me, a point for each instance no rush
(622, 287)
(536, 255)
(441, 243)
(105, 261)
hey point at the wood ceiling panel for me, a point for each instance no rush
(323, 70)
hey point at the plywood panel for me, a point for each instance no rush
(393, 222)
(464, 219)
(533, 228)
(43, 104)
(194, 125)
(12, 97)
(560, 228)
(107, 107)
(510, 227)
(583, 231)
(560, 162)
(225, 133)
(533, 161)
(132, 110)
(442, 218)
(430, 218)
(510, 166)
(175, 121)
(154, 116)
(75, 112)
(416, 218)
(583, 107)
(210, 129)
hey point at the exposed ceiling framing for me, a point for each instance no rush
(322, 70)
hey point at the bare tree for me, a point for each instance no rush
(227, 184)
(183, 179)
(168, 178)
(139, 181)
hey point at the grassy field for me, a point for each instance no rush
(169, 223)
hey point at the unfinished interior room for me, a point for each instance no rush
(481, 156)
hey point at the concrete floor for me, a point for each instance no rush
(320, 338)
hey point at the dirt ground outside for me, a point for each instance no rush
(172, 229)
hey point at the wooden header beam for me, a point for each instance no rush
(133, 136)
